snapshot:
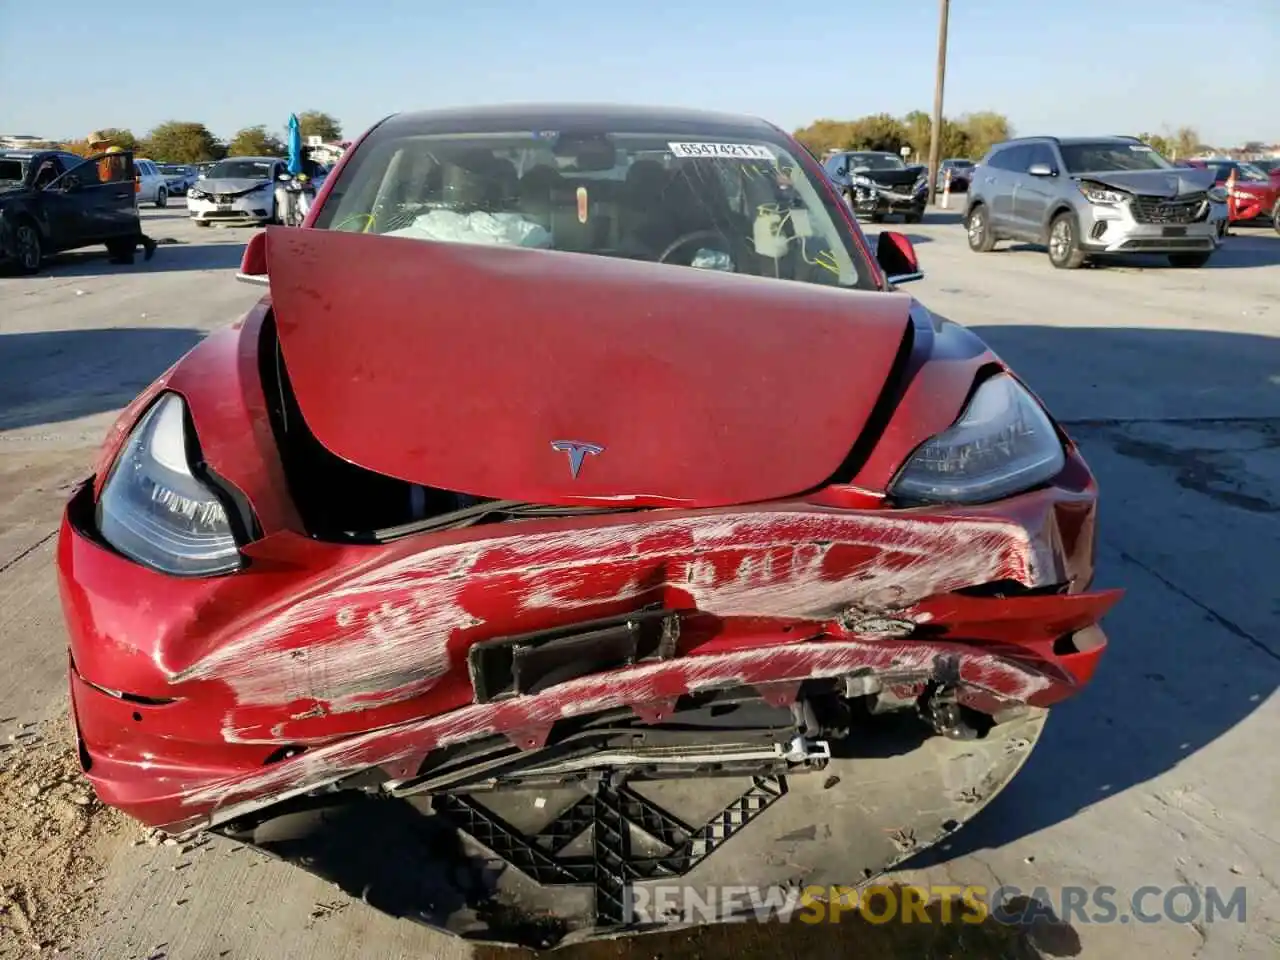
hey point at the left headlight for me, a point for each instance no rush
(1002, 444)
(155, 511)
(1096, 193)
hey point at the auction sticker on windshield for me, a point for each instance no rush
(721, 151)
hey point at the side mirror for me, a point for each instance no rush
(253, 265)
(897, 258)
(1041, 170)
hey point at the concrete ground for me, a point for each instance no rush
(1165, 772)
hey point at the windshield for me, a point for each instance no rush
(240, 169)
(1108, 156)
(876, 161)
(746, 206)
(1247, 171)
(12, 171)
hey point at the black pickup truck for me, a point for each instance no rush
(51, 200)
(878, 184)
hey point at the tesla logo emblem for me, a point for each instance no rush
(577, 452)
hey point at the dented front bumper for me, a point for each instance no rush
(198, 700)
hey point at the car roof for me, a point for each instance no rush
(556, 116)
(22, 154)
(1069, 141)
(256, 159)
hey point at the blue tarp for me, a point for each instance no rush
(295, 145)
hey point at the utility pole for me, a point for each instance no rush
(935, 134)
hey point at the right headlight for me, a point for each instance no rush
(1003, 443)
(195, 194)
(153, 508)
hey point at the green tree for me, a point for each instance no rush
(314, 123)
(956, 141)
(879, 132)
(79, 147)
(823, 135)
(118, 136)
(984, 129)
(181, 141)
(919, 128)
(255, 142)
(971, 135)
(1157, 142)
(1185, 143)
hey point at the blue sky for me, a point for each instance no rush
(1066, 68)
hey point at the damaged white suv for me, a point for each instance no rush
(1086, 196)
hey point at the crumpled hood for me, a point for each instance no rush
(231, 185)
(1155, 183)
(475, 369)
(892, 178)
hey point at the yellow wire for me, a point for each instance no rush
(825, 259)
(368, 217)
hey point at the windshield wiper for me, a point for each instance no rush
(479, 513)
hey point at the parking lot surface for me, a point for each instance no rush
(1164, 773)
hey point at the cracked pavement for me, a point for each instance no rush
(1165, 772)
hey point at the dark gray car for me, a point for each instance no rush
(51, 201)
(1086, 196)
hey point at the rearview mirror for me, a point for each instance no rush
(1041, 170)
(897, 258)
(70, 182)
(253, 265)
(284, 176)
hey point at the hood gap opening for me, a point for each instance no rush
(338, 500)
(342, 502)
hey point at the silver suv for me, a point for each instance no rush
(1085, 196)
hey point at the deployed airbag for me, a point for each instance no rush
(449, 226)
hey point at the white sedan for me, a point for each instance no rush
(237, 190)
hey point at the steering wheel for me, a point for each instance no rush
(684, 240)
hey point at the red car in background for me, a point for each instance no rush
(1257, 193)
